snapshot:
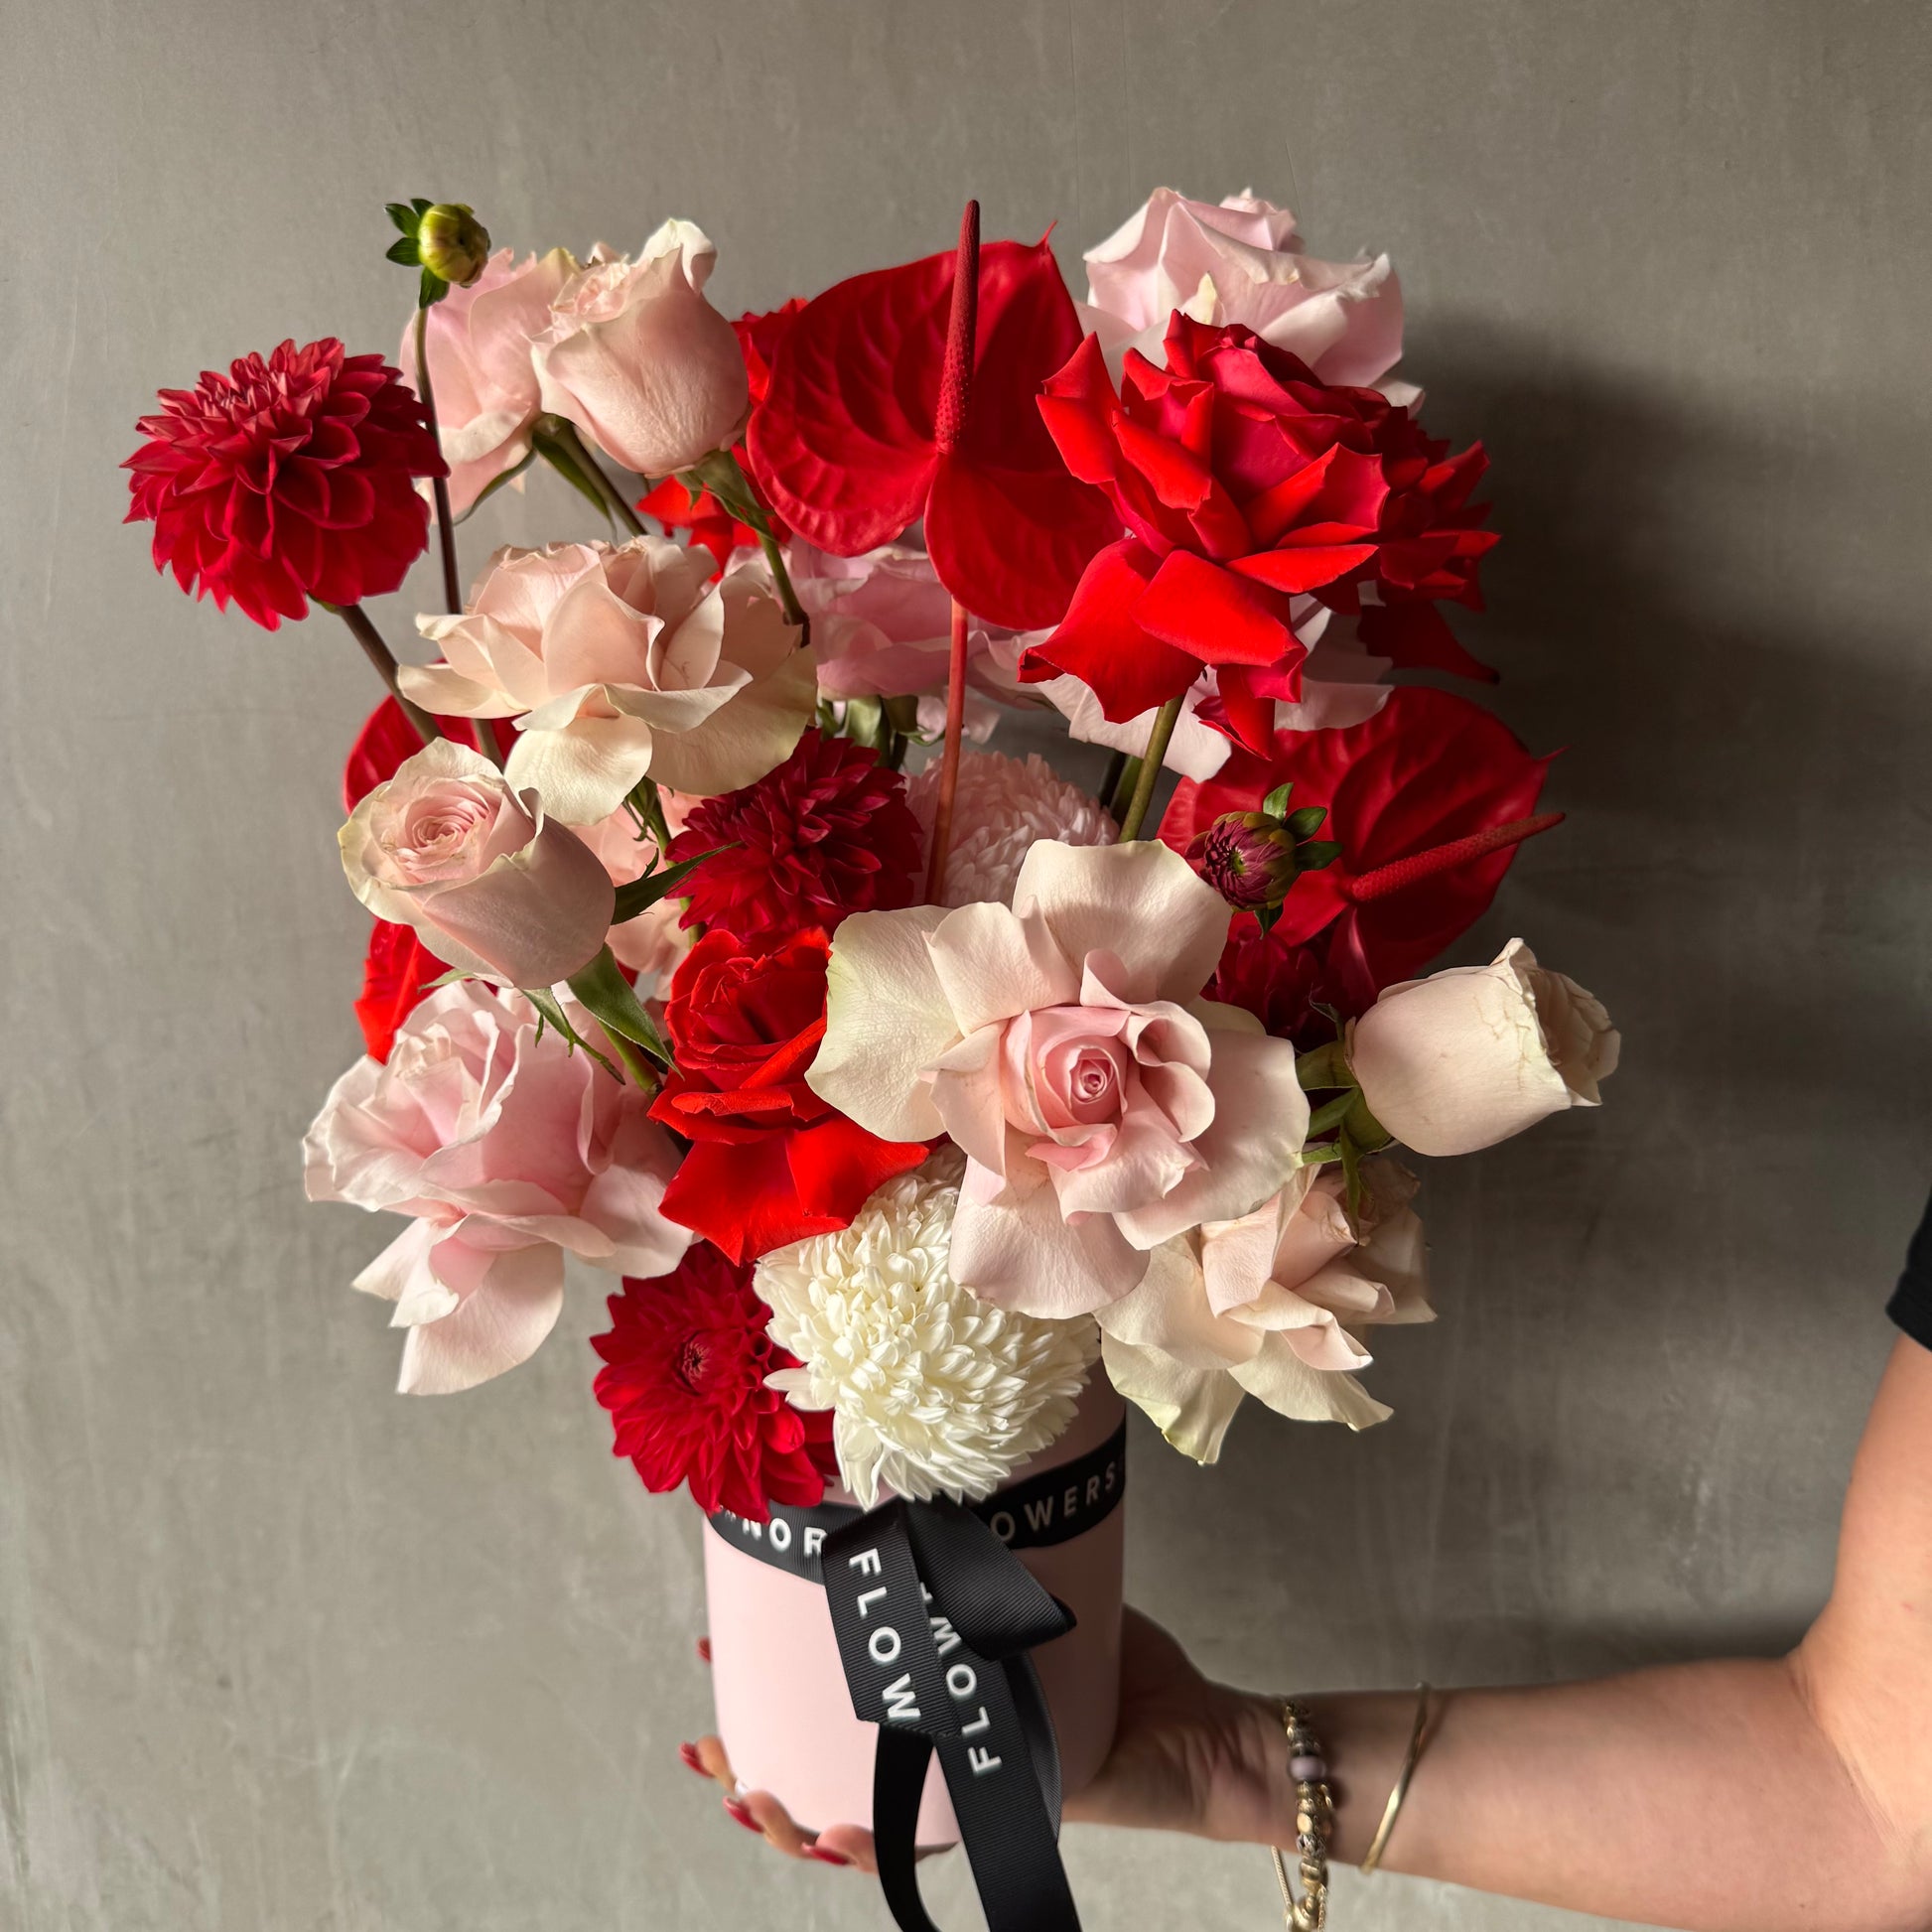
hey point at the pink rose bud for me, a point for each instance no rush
(491, 885)
(1467, 1057)
(640, 360)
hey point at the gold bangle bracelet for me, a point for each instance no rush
(1393, 1808)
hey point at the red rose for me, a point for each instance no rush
(287, 478)
(1240, 486)
(769, 1161)
(686, 1360)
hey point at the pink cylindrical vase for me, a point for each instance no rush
(783, 1710)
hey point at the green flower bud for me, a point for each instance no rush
(452, 243)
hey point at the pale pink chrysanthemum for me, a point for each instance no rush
(1003, 806)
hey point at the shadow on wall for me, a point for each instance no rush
(1591, 1463)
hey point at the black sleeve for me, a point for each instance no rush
(1911, 1302)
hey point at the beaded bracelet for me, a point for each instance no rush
(1315, 1816)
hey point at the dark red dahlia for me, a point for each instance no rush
(686, 1358)
(289, 478)
(1283, 985)
(827, 833)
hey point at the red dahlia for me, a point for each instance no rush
(827, 833)
(289, 478)
(686, 1359)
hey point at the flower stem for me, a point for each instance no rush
(724, 476)
(562, 430)
(1165, 720)
(440, 485)
(935, 885)
(1123, 788)
(384, 659)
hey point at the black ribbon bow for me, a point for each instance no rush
(935, 1616)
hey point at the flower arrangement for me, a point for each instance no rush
(914, 1090)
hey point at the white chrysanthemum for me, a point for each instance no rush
(1002, 808)
(931, 1390)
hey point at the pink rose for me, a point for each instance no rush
(481, 373)
(1467, 1058)
(619, 664)
(1270, 1306)
(447, 845)
(1242, 262)
(640, 360)
(505, 1150)
(1103, 1106)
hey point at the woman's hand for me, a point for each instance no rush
(1190, 1755)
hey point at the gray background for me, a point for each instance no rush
(280, 1650)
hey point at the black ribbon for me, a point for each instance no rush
(936, 1619)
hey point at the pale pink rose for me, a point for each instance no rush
(507, 1150)
(882, 627)
(1061, 1042)
(451, 846)
(619, 664)
(1270, 1306)
(640, 360)
(481, 373)
(653, 944)
(1467, 1058)
(1242, 262)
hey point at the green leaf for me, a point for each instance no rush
(1266, 916)
(403, 252)
(404, 216)
(451, 978)
(422, 205)
(496, 482)
(1275, 804)
(1306, 822)
(610, 998)
(432, 290)
(1322, 852)
(662, 882)
(550, 1011)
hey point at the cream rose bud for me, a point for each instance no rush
(640, 360)
(494, 887)
(1467, 1057)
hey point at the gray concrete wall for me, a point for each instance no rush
(282, 1652)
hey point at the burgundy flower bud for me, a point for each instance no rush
(1249, 858)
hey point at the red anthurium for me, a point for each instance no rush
(397, 971)
(1428, 800)
(1243, 483)
(847, 444)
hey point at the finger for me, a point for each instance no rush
(714, 1763)
(776, 1822)
(849, 1844)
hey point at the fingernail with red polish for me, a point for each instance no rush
(692, 1761)
(742, 1815)
(704, 1650)
(824, 1857)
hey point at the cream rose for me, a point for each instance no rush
(640, 360)
(619, 664)
(1467, 1058)
(1243, 261)
(1103, 1106)
(450, 847)
(1270, 1306)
